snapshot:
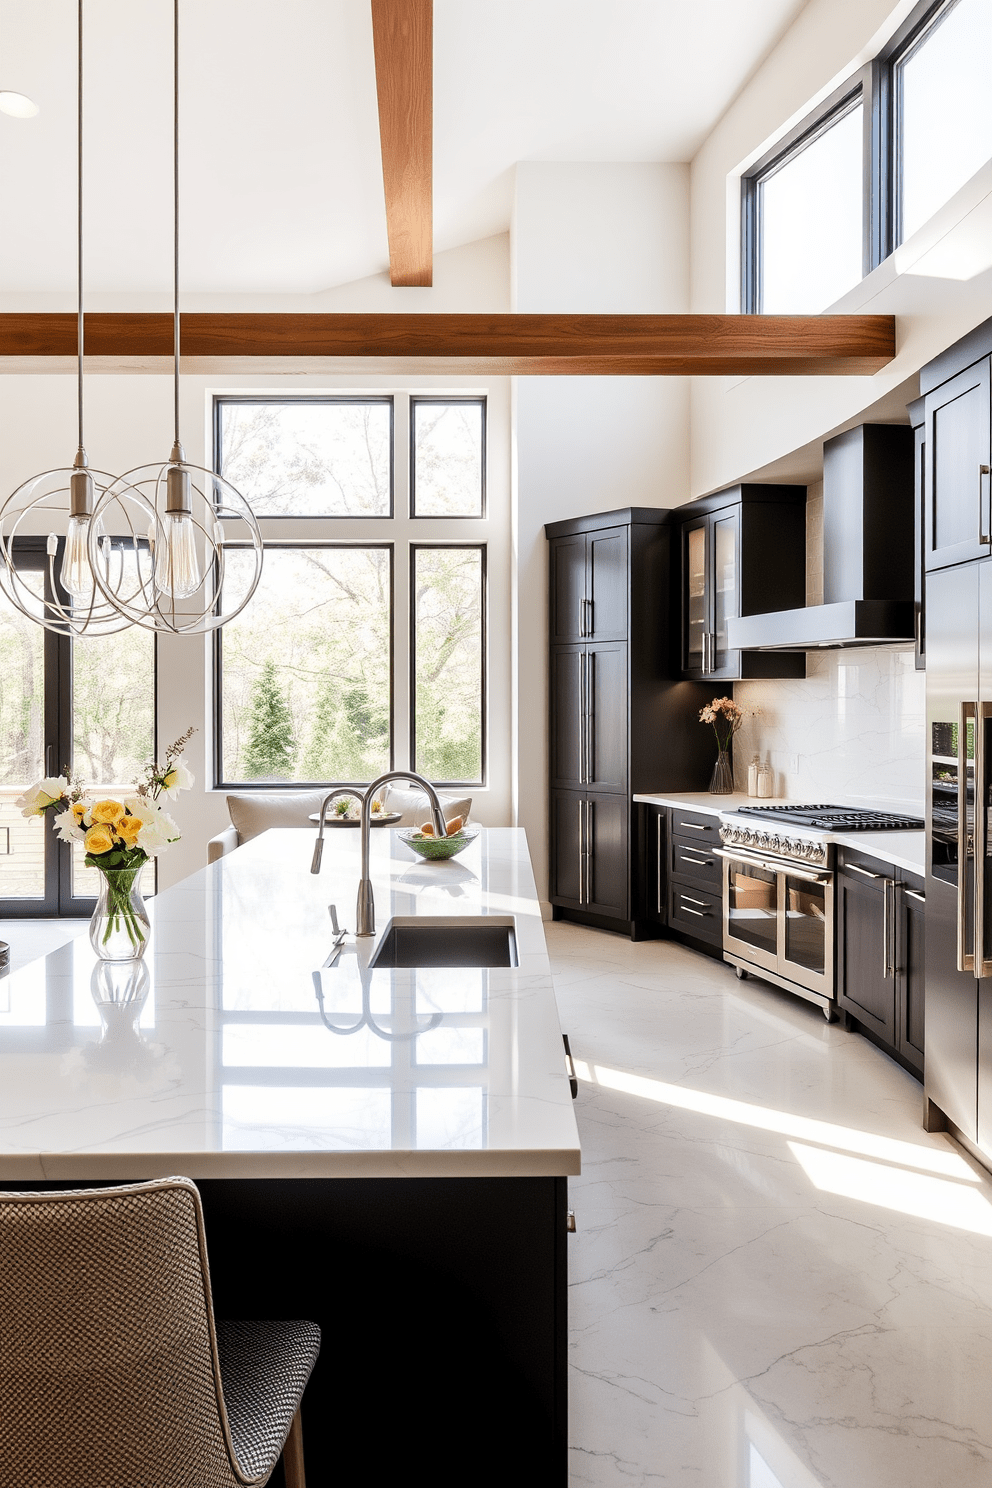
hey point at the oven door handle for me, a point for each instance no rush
(776, 867)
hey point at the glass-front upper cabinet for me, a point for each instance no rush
(743, 552)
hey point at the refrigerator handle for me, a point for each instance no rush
(983, 963)
(966, 957)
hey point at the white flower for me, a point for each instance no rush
(68, 828)
(36, 801)
(141, 807)
(157, 833)
(177, 778)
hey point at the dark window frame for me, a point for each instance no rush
(438, 401)
(483, 549)
(220, 783)
(856, 90)
(285, 400)
(58, 900)
(877, 83)
(913, 34)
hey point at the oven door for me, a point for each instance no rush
(751, 909)
(780, 918)
(807, 949)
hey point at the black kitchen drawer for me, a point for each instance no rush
(697, 912)
(696, 826)
(695, 862)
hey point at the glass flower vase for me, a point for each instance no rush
(722, 779)
(120, 927)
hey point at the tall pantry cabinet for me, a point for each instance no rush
(621, 721)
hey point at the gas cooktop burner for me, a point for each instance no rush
(836, 818)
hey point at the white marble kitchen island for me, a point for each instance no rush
(394, 1167)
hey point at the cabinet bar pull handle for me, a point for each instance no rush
(687, 910)
(694, 825)
(590, 715)
(983, 965)
(912, 894)
(867, 873)
(582, 856)
(688, 899)
(583, 671)
(699, 862)
(590, 865)
(984, 515)
(658, 824)
(966, 957)
(885, 930)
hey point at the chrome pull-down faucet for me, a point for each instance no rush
(332, 794)
(365, 913)
(366, 905)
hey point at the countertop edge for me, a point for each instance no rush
(121, 1167)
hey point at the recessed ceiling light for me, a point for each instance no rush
(18, 105)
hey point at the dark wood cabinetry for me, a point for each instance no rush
(880, 963)
(743, 553)
(621, 721)
(956, 480)
(680, 877)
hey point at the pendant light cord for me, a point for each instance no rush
(79, 217)
(175, 184)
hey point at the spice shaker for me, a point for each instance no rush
(766, 780)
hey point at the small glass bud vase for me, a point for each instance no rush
(722, 779)
(120, 927)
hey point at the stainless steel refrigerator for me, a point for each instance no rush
(958, 1069)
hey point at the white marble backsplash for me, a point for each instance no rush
(852, 730)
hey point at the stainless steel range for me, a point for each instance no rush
(778, 892)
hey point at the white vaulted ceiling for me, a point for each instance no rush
(282, 191)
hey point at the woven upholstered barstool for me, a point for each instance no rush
(113, 1372)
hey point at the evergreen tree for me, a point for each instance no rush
(317, 763)
(271, 747)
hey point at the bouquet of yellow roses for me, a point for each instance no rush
(120, 834)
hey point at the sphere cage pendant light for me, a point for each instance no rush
(205, 544)
(68, 602)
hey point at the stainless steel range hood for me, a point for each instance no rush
(868, 538)
(848, 622)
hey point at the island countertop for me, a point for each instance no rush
(228, 1068)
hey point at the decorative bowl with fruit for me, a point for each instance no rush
(424, 841)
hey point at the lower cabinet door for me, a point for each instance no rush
(567, 866)
(590, 852)
(866, 985)
(911, 972)
(652, 865)
(608, 860)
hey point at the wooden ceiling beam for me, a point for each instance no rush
(403, 37)
(618, 345)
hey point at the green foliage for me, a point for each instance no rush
(271, 748)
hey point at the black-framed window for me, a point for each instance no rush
(942, 125)
(447, 457)
(804, 218)
(308, 456)
(925, 129)
(447, 661)
(304, 674)
(87, 703)
(364, 647)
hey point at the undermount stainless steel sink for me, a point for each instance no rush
(447, 940)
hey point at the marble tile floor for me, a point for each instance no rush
(778, 1279)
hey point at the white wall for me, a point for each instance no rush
(594, 239)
